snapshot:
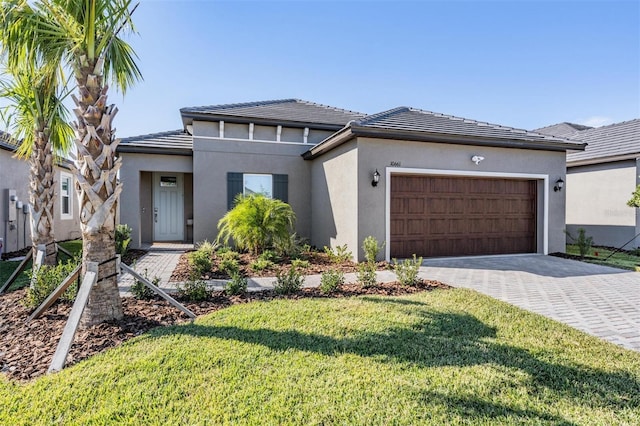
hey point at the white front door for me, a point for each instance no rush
(168, 207)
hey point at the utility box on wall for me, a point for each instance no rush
(10, 202)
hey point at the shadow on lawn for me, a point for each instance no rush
(447, 339)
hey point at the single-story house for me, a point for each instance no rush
(14, 187)
(600, 181)
(419, 181)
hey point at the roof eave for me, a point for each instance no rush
(189, 116)
(600, 160)
(547, 145)
(333, 141)
(127, 149)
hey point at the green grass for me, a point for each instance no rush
(443, 357)
(621, 260)
(7, 268)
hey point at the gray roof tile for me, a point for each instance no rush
(420, 121)
(608, 141)
(565, 130)
(288, 110)
(7, 142)
(177, 140)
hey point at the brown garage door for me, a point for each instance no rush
(453, 216)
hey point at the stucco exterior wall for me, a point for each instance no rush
(382, 154)
(214, 158)
(334, 198)
(597, 198)
(14, 174)
(134, 192)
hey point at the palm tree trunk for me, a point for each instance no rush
(41, 197)
(97, 188)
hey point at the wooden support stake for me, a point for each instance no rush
(158, 290)
(56, 293)
(65, 251)
(69, 332)
(21, 267)
(37, 263)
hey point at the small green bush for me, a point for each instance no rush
(407, 270)
(269, 255)
(289, 283)
(140, 291)
(228, 254)
(237, 285)
(207, 247)
(583, 242)
(367, 274)
(123, 239)
(340, 254)
(330, 281)
(257, 223)
(47, 279)
(300, 264)
(200, 261)
(229, 266)
(194, 290)
(371, 248)
(261, 265)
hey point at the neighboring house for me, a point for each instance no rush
(14, 178)
(600, 181)
(448, 186)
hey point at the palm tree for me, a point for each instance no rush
(85, 36)
(38, 120)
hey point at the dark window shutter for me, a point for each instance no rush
(281, 187)
(234, 187)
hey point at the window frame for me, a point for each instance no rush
(69, 179)
(244, 183)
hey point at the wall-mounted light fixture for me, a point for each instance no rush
(376, 178)
(477, 159)
(559, 185)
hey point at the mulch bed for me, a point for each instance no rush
(318, 263)
(26, 349)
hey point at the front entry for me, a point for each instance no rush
(168, 207)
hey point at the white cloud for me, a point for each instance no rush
(596, 121)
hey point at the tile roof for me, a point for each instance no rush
(7, 142)
(565, 130)
(614, 140)
(178, 141)
(286, 110)
(414, 120)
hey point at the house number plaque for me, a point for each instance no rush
(396, 164)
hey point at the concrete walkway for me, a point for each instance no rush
(601, 301)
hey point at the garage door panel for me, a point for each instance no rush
(462, 216)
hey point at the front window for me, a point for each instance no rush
(65, 195)
(258, 184)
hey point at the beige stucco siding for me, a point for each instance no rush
(380, 154)
(135, 192)
(334, 198)
(597, 198)
(213, 159)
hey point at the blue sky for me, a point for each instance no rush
(525, 64)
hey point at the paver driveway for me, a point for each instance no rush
(599, 300)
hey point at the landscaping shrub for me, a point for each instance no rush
(194, 290)
(340, 254)
(47, 279)
(123, 239)
(200, 261)
(407, 270)
(257, 223)
(289, 283)
(330, 281)
(583, 242)
(229, 266)
(367, 274)
(140, 291)
(261, 265)
(269, 255)
(207, 247)
(371, 248)
(300, 264)
(228, 254)
(237, 285)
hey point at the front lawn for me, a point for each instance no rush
(622, 259)
(440, 357)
